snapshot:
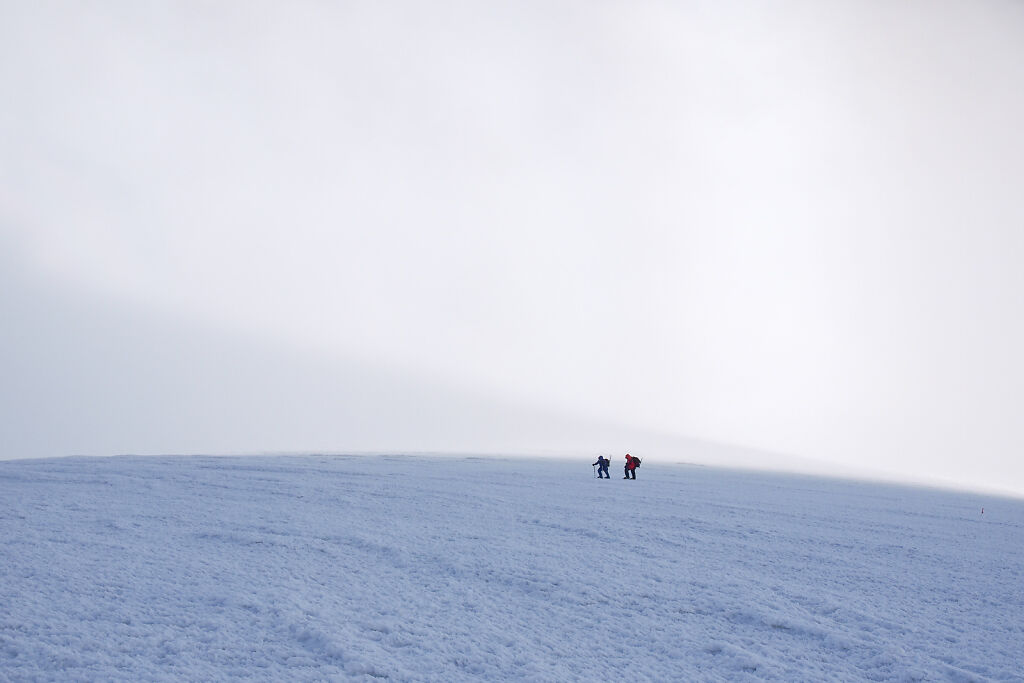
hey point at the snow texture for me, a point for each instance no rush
(453, 569)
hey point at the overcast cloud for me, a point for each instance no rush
(796, 226)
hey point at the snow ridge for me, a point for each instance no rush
(448, 569)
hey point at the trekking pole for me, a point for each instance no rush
(594, 467)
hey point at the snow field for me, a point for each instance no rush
(450, 568)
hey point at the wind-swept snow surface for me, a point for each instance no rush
(440, 569)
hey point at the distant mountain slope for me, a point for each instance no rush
(82, 375)
(87, 376)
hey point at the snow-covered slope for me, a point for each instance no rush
(441, 569)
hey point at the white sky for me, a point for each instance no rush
(794, 225)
